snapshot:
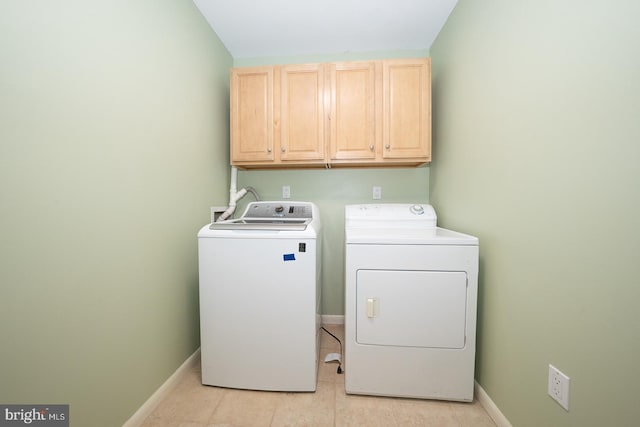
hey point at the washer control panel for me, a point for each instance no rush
(293, 210)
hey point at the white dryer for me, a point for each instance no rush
(410, 306)
(260, 298)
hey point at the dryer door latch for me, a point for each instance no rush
(373, 307)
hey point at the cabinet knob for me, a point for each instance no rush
(387, 146)
(371, 147)
(283, 149)
(269, 150)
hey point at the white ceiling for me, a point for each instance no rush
(255, 28)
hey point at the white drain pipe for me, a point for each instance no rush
(235, 195)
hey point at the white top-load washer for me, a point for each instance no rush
(410, 306)
(260, 298)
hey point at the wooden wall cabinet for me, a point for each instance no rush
(252, 115)
(355, 130)
(364, 113)
(406, 120)
(300, 128)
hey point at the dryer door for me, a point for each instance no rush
(411, 308)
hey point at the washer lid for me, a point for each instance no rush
(269, 219)
(246, 223)
(390, 215)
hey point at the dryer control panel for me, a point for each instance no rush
(390, 215)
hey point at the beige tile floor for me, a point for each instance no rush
(191, 404)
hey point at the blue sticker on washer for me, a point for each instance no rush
(288, 257)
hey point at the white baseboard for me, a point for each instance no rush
(332, 319)
(491, 408)
(163, 391)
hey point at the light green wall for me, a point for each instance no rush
(332, 189)
(536, 151)
(113, 145)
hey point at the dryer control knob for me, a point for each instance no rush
(417, 210)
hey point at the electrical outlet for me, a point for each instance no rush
(558, 387)
(286, 192)
(377, 192)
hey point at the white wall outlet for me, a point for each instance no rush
(377, 192)
(558, 387)
(286, 192)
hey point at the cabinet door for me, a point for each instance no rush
(302, 112)
(352, 121)
(407, 109)
(252, 114)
